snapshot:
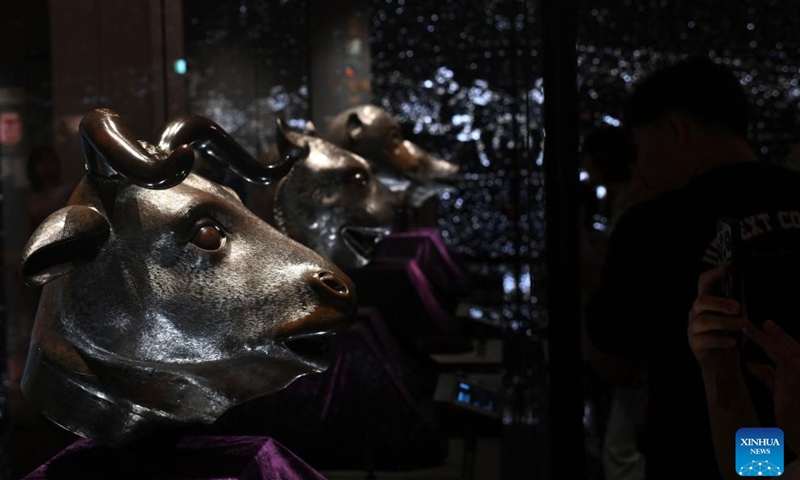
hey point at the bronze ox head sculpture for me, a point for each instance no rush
(165, 301)
(330, 200)
(373, 133)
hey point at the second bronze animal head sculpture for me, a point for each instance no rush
(330, 200)
(165, 300)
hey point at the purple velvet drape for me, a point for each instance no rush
(427, 249)
(194, 458)
(416, 285)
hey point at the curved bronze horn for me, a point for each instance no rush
(208, 138)
(110, 150)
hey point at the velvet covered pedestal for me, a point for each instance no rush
(428, 250)
(193, 458)
(416, 285)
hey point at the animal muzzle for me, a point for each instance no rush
(438, 169)
(403, 161)
(336, 303)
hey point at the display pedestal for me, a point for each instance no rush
(415, 285)
(199, 457)
(427, 248)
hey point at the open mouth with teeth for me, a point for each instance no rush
(362, 240)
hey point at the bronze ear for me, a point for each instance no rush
(311, 129)
(288, 147)
(66, 239)
(355, 127)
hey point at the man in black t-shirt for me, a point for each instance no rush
(689, 122)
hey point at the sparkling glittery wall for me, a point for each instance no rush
(247, 64)
(462, 78)
(620, 41)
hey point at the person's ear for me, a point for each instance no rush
(679, 127)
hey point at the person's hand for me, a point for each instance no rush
(783, 379)
(712, 324)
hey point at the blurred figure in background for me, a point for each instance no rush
(609, 186)
(608, 157)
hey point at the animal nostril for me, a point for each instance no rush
(330, 281)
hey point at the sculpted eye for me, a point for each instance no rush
(358, 177)
(208, 236)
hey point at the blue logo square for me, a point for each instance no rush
(759, 452)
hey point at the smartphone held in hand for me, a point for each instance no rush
(729, 255)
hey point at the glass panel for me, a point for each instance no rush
(462, 84)
(442, 375)
(465, 81)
